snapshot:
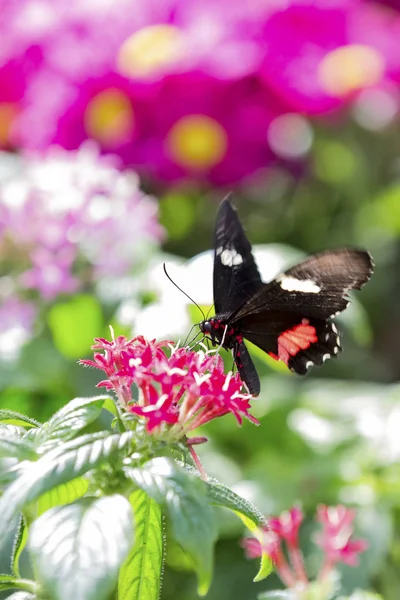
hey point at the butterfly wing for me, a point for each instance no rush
(236, 277)
(246, 368)
(287, 318)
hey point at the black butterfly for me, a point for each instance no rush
(288, 317)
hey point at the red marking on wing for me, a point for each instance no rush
(290, 342)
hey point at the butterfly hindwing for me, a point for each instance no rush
(236, 277)
(246, 368)
(299, 342)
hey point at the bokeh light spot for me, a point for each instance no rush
(334, 162)
(109, 117)
(197, 141)
(375, 109)
(350, 68)
(290, 136)
(149, 50)
(8, 113)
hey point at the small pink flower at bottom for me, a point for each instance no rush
(287, 525)
(336, 535)
(335, 540)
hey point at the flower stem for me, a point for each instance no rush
(283, 569)
(198, 464)
(296, 559)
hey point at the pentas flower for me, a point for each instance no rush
(73, 218)
(178, 389)
(336, 541)
(336, 536)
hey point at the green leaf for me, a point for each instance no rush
(74, 325)
(72, 417)
(66, 493)
(14, 418)
(221, 495)
(15, 448)
(78, 549)
(64, 463)
(19, 544)
(140, 575)
(9, 582)
(184, 497)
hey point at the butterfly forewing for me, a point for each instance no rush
(315, 288)
(236, 277)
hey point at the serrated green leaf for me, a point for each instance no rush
(16, 448)
(9, 582)
(14, 418)
(78, 549)
(185, 500)
(66, 493)
(266, 568)
(140, 575)
(221, 495)
(64, 424)
(64, 463)
(19, 544)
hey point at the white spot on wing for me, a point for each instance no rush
(335, 350)
(334, 328)
(325, 357)
(231, 258)
(219, 250)
(291, 284)
(309, 364)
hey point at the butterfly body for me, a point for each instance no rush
(288, 318)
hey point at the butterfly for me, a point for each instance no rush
(288, 318)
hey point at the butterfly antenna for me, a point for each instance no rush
(187, 295)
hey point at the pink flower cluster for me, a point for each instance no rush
(70, 218)
(335, 539)
(201, 90)
(179, 389)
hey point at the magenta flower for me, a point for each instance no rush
(336, 541)
(179, 390)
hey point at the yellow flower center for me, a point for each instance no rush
(149, 50)
(350, 68)
(8, 112)
(109, 117)
(197, 141)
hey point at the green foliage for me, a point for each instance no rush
(140, 575)
(184, 497)
(78, 549)
(75, 499)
